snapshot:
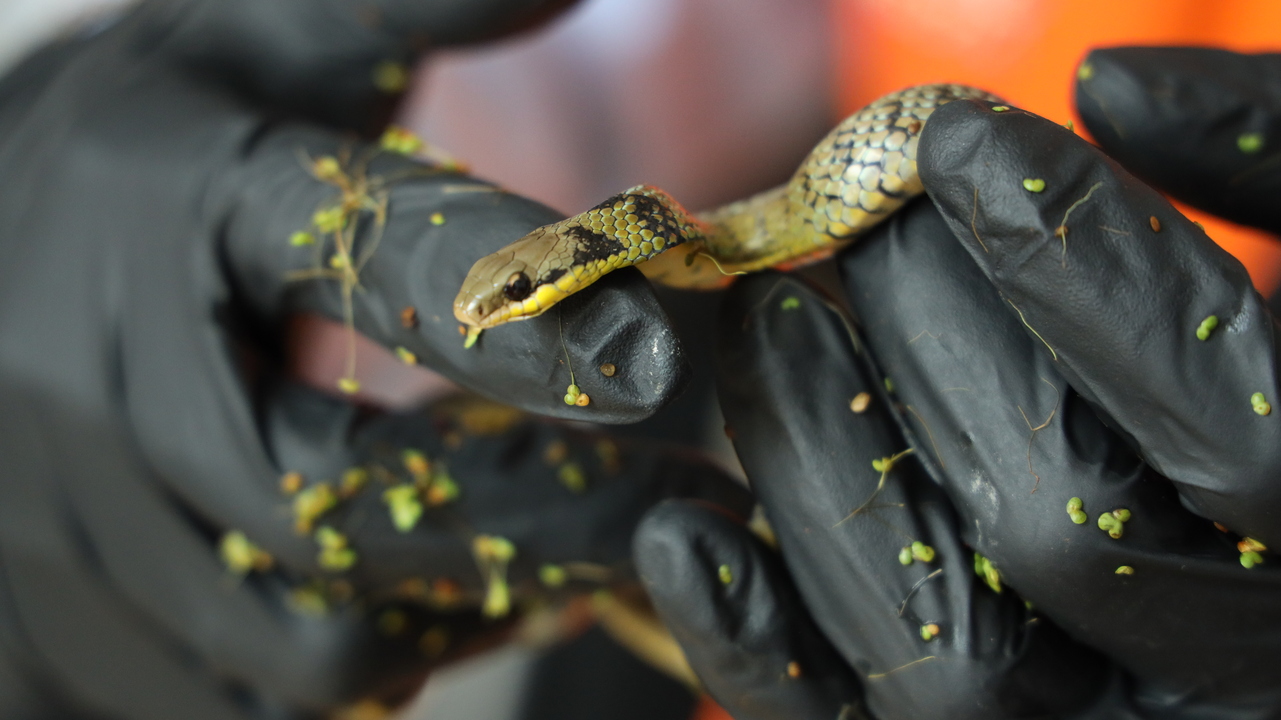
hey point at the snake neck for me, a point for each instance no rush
(744, 236)
(746, 231)
(774, 229)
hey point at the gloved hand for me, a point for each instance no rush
(1086, 378)
(184, 532)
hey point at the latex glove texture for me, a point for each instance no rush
(1046, 334)
(154, 175)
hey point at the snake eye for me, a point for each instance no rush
(518, 287)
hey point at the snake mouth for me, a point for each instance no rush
(483, 313)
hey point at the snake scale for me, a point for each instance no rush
(857, 176)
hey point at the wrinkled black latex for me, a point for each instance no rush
(1030, 365)
(151, 179)
(1176, 116)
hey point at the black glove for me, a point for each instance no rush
(154, 177)
(1057, 374)
(1199, 123)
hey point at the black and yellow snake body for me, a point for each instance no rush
(857, 176)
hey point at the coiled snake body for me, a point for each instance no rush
(858, 175)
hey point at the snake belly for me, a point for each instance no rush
(857, 176)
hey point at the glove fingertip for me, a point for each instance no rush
(731, 608)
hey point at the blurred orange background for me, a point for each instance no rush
(1027, 52)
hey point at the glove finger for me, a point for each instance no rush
(789, 369)
(1014, 444)
(1200, 123)
(66, 617)
(561, 497)
(1119, 286)
(339, 62)
(438, 224)
(99, 553)
(728, 602)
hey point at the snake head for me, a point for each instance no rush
(515, 283)
(551, 263)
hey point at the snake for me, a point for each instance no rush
(858, 175)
